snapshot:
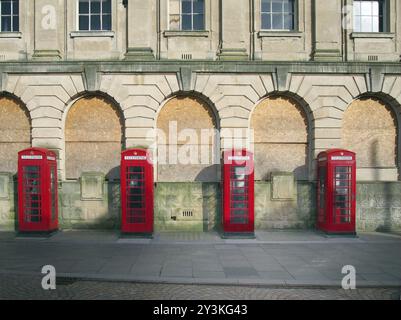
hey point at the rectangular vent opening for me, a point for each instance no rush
(186, 56)
(187, 213)
(373, 58)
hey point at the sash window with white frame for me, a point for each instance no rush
(94, 15)
(369, 16)
(186, 15)
(278, 15)
(9, 15)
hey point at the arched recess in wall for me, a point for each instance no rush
(15, 132)
(370, 129)
(94, 140)
(187, 141)
(281, 139)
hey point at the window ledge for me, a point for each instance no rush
(289, 34)
(11, 35)
(92, 34)
(373, 35)
(180, 33)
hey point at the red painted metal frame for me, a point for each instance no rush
(45, 160)
(232, 159)
(327, 217)
(143, 159)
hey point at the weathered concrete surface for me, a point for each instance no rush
(272, 259)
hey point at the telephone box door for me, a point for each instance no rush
(37, 191)
(137, 191)
(336, 191)
(343, 197)
(238, 192)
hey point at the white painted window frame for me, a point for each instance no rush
(12, 18)
(385, 17)
(78, 14)
(192, 17)
(294, 14)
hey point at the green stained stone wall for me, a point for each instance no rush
(192, 206)
(196, 206)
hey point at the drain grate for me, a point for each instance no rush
(187, 213)
(186, 56)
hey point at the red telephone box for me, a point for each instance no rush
(137, 192)
(238, 193)
(336, 201)
(37, 191)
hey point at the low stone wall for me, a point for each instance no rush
(192, 206)
(273, 212)
(8, 201)
(93, 203)
(378, 206)
(98, 208)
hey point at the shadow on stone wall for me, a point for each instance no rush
(386, 203)
(211, 197)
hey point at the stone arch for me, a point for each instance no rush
(196, 157)
(282, 136)
(94, 137)
(370, 128)
(15, 131)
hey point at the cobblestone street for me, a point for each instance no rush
(24, 287)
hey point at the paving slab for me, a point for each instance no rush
(298, 257)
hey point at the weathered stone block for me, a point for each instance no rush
(92, 186)
(283, 186)
(5, 179)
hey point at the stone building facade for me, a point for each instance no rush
(89, 78)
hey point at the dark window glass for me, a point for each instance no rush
(192, 15)
(9, 16)
(15, 23)
(186, 6)
(106, 22)
(95, 15)
(95, 22)
(266, 6)
(84, 23)
(277, 7)
(186, 22)
(198, 6)
(5, 7)
(6, 23)
(83, 7)
(199, 22)
(266, 21)
(95, 7)
(288, 22)
(277, 21)
(106, 6)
